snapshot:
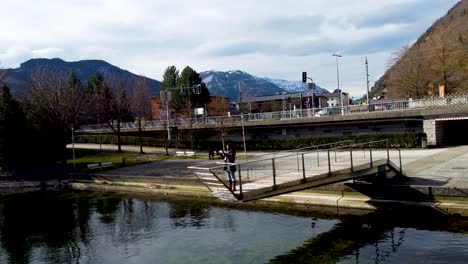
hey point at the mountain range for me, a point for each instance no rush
(218, 82)
(17, 78)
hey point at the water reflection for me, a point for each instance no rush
(346, 241)
(195, 215)
(59, 227)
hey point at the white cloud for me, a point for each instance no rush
(273, 38)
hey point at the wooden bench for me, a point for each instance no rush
(93, 166)
(106, 164)
(185, 153)
(141, 158)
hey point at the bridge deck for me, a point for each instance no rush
(279, 173)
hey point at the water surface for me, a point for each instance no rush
(84, 227)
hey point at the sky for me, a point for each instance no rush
(267, 38)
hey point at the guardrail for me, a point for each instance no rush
(234, 120)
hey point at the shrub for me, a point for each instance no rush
(407, 140)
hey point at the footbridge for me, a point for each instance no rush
(271, 174)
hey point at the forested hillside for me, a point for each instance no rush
(438, 57)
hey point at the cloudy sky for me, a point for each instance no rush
(273, 38)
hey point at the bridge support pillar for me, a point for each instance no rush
(434, 132)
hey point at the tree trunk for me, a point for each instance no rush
(140, 130)
(119, 148)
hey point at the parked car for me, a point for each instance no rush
(328, 111)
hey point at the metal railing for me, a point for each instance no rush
(309, 162)
(235, 120)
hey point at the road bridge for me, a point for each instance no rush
(442, 119)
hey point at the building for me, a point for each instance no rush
(293, 101)
(219, 106)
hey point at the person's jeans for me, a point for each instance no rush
(231, 175)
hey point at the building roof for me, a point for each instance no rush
(284, 96)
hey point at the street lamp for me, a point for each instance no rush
(73, 145)
(338, 79)
(167, 95)
(195, 89)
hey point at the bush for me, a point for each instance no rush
(407, 140)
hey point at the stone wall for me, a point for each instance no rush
(434, 131)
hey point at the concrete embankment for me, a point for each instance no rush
(337, 197)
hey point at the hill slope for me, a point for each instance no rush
(439, 56)
(17, 78)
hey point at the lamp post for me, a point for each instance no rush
(242, 121)
(73, 145)
(196, 89)
(166, 94)
(338, 79)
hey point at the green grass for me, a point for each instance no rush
(83, 157)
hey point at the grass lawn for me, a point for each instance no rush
(83, 157)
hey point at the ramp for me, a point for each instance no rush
(283, 172)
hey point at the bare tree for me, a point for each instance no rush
(407, 78)
(56, 103)
(141, 106)
(447, 59)
(119, 110)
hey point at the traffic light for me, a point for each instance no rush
(304, 76)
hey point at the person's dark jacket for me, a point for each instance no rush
(230, 156)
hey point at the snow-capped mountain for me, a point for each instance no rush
(294, 86)
(228, 83)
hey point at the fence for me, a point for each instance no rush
(234, 120)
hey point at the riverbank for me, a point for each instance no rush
(437, 179)
(339, 197)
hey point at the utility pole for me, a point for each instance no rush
(240, 96)
(242, 119)
(338, 79)
(367, 81)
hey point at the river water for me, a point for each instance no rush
(87, 227)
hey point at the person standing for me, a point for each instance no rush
(211, 153)
(229, 156)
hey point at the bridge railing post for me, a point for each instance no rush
(399, 156)
(329, 162)
(303, 169)
(351, 157)
(388, 152)
(240, 180)
(370, 153)
(274, 173)
(318, 158)
(335, 154)
(297, 159)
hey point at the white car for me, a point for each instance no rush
(328, 111)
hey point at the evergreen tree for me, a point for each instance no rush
(170, 78)
(198, 97)
(12, 129)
